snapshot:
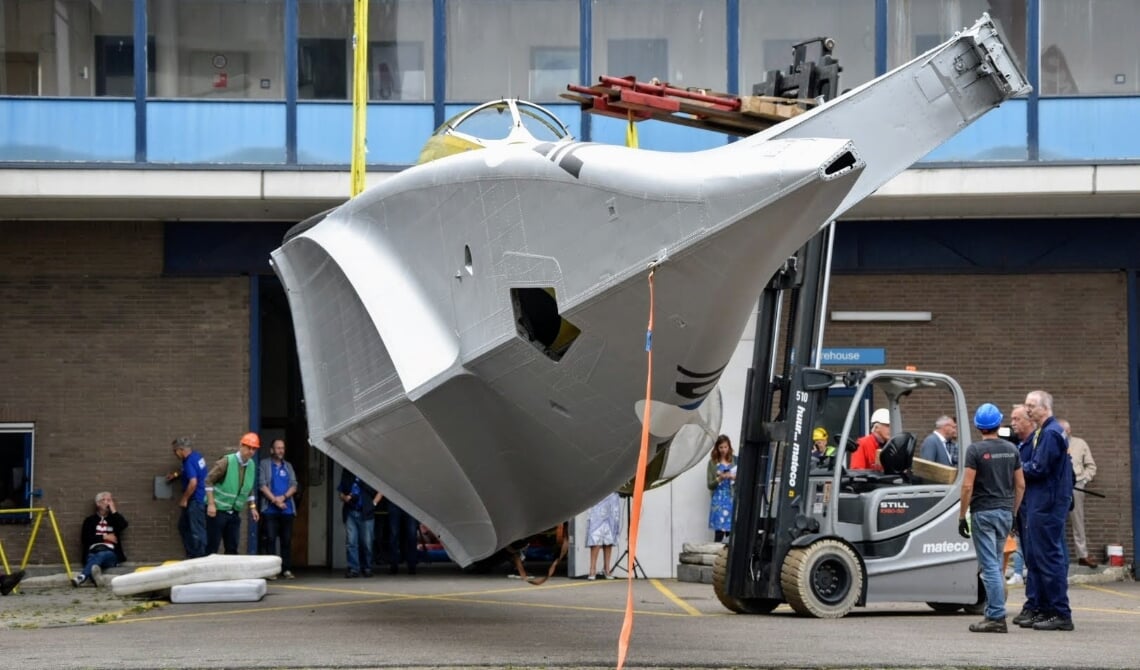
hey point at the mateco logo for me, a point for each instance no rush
(945, 547)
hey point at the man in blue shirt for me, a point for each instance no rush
(1048, 493)
(192, 522)
(278, 485)
(359, 515)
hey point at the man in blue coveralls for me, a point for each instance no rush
(1048, 492)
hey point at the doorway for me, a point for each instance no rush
(283, 417)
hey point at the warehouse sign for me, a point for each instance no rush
(848, 356)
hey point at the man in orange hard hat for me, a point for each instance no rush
(229, 487)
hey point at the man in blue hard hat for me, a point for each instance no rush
(1048, 494)
(991, 489)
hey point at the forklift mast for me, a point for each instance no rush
(771, 513)
(805, 80)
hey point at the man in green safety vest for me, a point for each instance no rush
(822, 453)
(229, 487)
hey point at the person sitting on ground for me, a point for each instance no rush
(102, 540)
(866, 456)
(9, 582)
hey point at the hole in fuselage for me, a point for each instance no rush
(842, 162)
(538, 321)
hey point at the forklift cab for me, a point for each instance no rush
(871, 508)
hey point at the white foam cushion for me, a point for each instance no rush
(230, 591)
(212, 568)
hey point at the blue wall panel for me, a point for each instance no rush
(1000, 135)
(396, 133)
(66, 129)
(974, 246)
(239, 131)
(1089, 128)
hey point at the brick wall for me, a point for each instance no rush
(1001, 336)
(111, 360)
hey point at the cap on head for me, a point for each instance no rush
(819, 433)
(882, 416)
(987, 417)
(183, 443)
(251, 440)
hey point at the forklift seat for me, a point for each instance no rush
(897, 454)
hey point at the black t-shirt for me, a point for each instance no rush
(994, 461)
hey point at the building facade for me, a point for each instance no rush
(152, 153)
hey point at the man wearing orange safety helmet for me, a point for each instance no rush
(229, 487)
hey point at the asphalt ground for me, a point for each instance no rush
(442, 618)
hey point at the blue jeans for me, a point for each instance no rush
(192, 528)
(358, 541)
(990, 528)
(104, 559)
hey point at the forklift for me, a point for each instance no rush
(827, 539)
(824, 539)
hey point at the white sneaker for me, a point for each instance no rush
(591, 578)
(97, 577)
(79, 579)
(1014, 579)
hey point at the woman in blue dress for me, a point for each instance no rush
(602, 528)
(720, 475)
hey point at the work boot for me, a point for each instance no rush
(989, 626)
(9, 582)
(1088, 562)
(1026, 616)
(1055, 622)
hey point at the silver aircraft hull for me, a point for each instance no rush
(414, 307)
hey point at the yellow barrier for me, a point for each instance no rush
(39, 513)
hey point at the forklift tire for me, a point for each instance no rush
(823, 579)
(738, 605)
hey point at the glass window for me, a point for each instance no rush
(16, 449)
(68, 48)
(490, 40)
(551, 69)
(769, 28)
(682, 42)
(1090, 48)
(399, 55)
(218, 49)
(916, 26)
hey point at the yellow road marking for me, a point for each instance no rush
(481, 592)
(465, 597)
(692, 611)
(1104, 590)
(1105, 610)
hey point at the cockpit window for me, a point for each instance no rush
(540, 123)
(489, 123)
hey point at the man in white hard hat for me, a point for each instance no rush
(866, 456)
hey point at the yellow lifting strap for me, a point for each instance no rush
(359, 95)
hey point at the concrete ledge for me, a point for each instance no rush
(700, 574)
